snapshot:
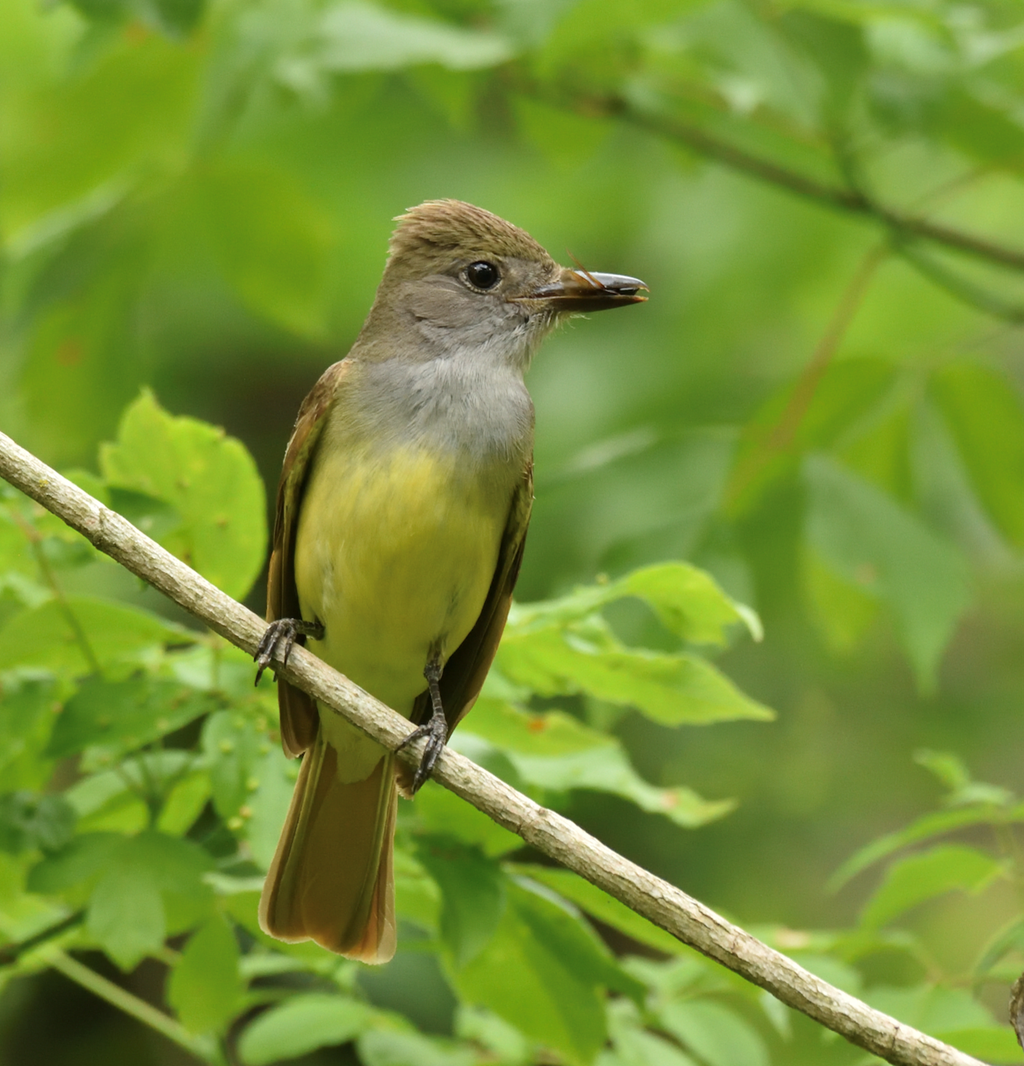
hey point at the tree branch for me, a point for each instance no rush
(779, 437)
(833, 196)
(201, 1047)
(657, 900)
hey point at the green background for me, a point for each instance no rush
(820, 404)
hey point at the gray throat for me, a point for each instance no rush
(459, 402)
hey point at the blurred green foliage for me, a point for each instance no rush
(820, 408)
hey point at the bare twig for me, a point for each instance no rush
(12, 952)
(833, 196)
(657, 900)
(959, 287)
(201, 1047)
(779, 437)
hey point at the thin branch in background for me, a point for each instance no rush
(39, 553)
(848, 200)
(959, 287)
(10, 953)
(204, 1049)
(784, 433)
(779, 437)
(658, 901)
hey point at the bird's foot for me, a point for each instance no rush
(279, 639)
(435, 729)
(436, 732)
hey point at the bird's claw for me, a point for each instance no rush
(436, 732)
(280, 637)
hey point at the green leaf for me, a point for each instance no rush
(120, 716)
(472, 896)
(219, 667)
(598, 38)
(27, 708)
(104, 10)
(929, 825)
(114, 634)
(669, 689)
(947, 766)
(606, 909)
(16, 558)
(116, 799)
(173, 17)
(985, 416)
(607, 769)
(354, 35)
(951, 770)
(29, 821)
(442, 813)
(80, 861)
(508, 727)
(717, 1035)
(836, 48)
(270, 791)
(637, 1047)
(83, 364)
(126, 912)
(874, 543)
(931, 1008)
(634, 1045)
(1009, 937)
(184, 803)
(687, 601)
(982, 130)
(997, 1044)
(541, 972)
(847, 391)
(235, 751)
(210, 480)
(925, 875)
(302, 1024)
(179, 17)
(505, 1042)
(272, 241)
(176, 865)
(388, 1047)
(205, 987)
(841, 610)
(417, 896)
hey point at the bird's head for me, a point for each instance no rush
(459, 277)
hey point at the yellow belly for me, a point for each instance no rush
(394, 555)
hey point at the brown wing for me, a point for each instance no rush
(299, 719)
(467, 667)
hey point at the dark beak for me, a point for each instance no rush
(580, 290)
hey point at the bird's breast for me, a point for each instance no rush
(395, 552)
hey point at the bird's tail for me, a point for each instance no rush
(332, 877)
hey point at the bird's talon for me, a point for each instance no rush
(436, 732)
(283, 633)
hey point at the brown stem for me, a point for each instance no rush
(836, 197)
(780, 437)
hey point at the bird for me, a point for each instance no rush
(402, 509)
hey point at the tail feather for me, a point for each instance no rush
(332, 877)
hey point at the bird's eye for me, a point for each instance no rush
(482, 275)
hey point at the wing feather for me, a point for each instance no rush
(467, 666)
(299, 718)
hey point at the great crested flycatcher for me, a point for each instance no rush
(401, 516)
